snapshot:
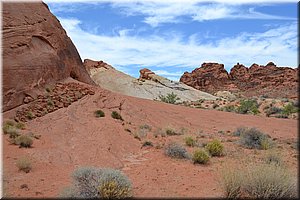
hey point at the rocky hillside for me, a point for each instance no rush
(148, 86)
(36, 51)
(269, 80)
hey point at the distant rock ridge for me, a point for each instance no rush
(268, 80)
(36, 51)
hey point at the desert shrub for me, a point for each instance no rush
(114, 185)
(24, 164)
(215, 148)
(24, 141)
(50, 102)
(175, 150)
(170, 131)
(289, 109)
(169, 98)
(89, 182)
(273, 110)
(11, 131)
(232, 183)
(249, 106)
(189, 141)
(239, 131)
(265, 181)
(7, 126)
(273, 158)
(269, 181)
(69, 192)
(30, 115)
(147, 143)
(255, 139)
(116, 115)
(99, 113)
(20, 125)
(228, 108)
(200, 156)
(145, 126)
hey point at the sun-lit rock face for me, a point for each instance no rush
(36, 51)
(256, 80)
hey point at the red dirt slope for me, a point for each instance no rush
(72, 137)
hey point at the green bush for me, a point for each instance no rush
(24, 141)
(255, 139)
(249, 106)
(169, 98)
(200, 156)
(189, 141)
(215, 148)
(90, 182)
(24, 164)
(99, 113)
(116, 115)
(30, 115)
(289, 109)
(175, 150)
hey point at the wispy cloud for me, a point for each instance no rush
(173, 54)
(157, 13)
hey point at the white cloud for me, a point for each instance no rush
(166, 73)
(172, 54)
(157, 13)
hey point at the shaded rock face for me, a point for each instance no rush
(268, 80)
(36, 51)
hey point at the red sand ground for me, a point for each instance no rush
(72, 137)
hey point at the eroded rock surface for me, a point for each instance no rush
(268, 80)
(36, 51)
(148, 85)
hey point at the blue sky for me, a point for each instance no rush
(171, 37)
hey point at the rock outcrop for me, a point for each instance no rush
(36, 51)
(149, 85)
(146, 74)
(256, 80)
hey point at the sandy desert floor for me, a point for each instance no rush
(73, 137)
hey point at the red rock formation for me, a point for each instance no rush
(36, 50)
(91, 64)
(253, 81)
(146, 74)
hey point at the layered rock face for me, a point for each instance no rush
(36, 51)
(149, 85)
(268, 80)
